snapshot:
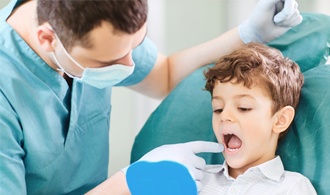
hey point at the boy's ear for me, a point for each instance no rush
(283, 119)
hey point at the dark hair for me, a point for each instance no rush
(72, 20)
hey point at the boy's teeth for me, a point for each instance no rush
(232, 149)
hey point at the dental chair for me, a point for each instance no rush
(186, 113)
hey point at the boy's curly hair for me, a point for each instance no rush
(261, 65)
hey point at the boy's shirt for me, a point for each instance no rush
(267, 178)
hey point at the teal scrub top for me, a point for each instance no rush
(53, 139)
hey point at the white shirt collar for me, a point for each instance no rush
(272, 169)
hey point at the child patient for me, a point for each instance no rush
(255, 91)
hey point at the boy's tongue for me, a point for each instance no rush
(234, 142)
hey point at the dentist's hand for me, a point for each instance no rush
(269, 20)
(185, 154)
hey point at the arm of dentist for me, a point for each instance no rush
(182, 153)
(269, 20)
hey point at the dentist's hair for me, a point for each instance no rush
(262, 66)
(72, 20)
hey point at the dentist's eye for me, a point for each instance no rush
(244, 109)
(217, 111)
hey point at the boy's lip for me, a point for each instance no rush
(225, 140)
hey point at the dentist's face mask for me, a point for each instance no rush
(98, 77)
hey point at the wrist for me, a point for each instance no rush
(249, 34)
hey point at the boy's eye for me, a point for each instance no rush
(244, 109)
(217, 111)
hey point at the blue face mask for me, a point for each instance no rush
(98, 77)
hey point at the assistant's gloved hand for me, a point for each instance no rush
(185, 154)
(269, 20)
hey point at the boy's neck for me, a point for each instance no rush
(235, 172)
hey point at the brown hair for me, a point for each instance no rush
(257, 64)
(72, 20)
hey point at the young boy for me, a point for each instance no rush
(255, 91)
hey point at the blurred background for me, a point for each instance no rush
(175, 25)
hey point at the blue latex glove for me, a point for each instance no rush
(161, 178)
(269, 20)
(184, 154)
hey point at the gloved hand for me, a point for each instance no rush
(185, 154)
(269, 20)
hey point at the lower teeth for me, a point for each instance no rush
(232, 149)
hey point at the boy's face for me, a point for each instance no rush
(243, 122)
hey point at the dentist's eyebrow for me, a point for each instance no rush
(113, 61)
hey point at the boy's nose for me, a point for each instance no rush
(225, 115)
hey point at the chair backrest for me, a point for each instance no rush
(186, 114)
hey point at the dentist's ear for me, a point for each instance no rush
(283, 119)
(45, 37)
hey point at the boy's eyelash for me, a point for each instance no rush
(244, 109)
(217, 110)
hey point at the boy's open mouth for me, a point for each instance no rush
(232, 142)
